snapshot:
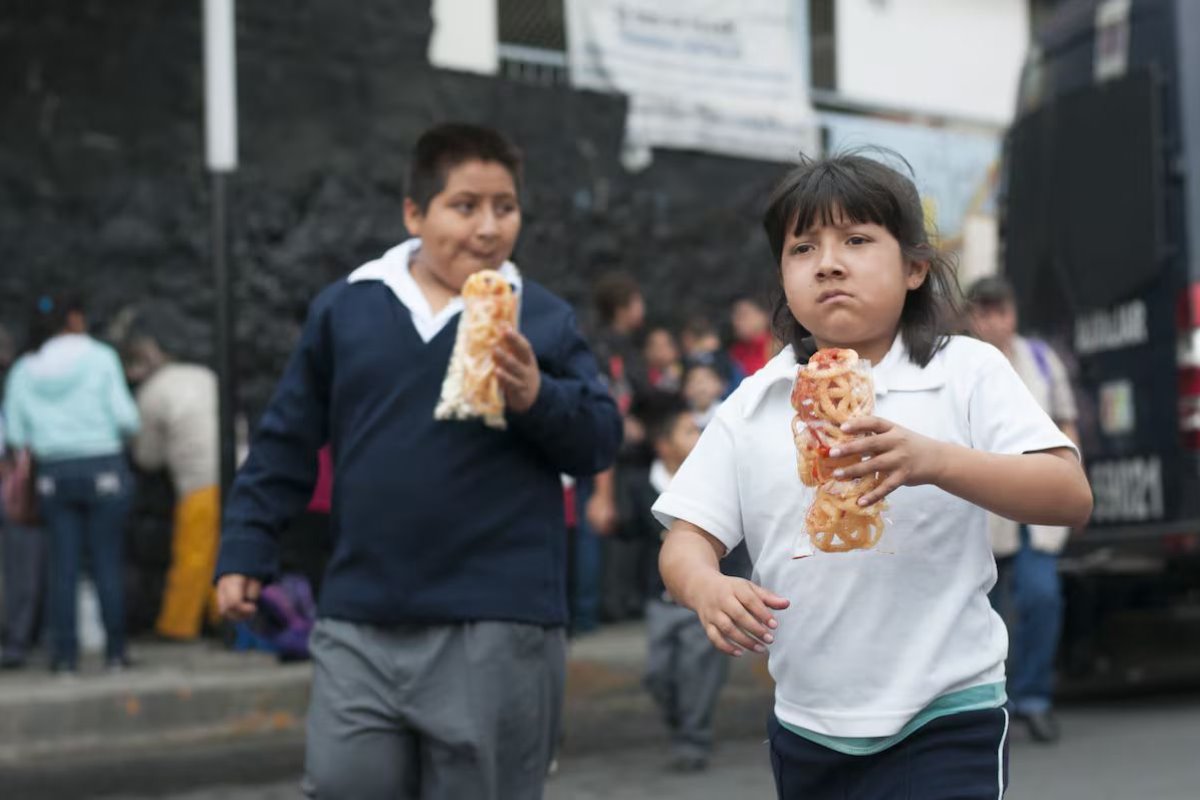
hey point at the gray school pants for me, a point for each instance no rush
(684, 674)
(433, 712)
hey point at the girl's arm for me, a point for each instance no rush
(736, 613)
(1047, 487)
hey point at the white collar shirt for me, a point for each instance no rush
(394, 268)
(870, 637)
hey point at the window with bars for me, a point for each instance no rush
(533, 40)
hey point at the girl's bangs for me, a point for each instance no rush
(830, 196)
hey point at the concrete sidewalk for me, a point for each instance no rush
(191, 694)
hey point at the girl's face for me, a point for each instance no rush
(847, 282)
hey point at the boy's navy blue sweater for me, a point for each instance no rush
(432, 521)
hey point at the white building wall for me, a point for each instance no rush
(959, 58)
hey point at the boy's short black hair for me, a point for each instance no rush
(442, 148)
(612, 292)
(660, 412)
(991, 292)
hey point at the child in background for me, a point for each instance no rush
(684, 673)
(888, 668)
(663, 366)
(702, 345)
(703, 388)
(753, 345)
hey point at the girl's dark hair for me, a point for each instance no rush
(49, 318)
(861, 189)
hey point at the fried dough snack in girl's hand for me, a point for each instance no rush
(835, 386)
(471, 388)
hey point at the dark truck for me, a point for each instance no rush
(1100, 229)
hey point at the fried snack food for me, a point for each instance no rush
(832, 388)
(471, 388)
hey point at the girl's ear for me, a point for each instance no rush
(918, 271)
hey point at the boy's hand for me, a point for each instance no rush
(517, 370)
(237, 596)
(736, 613)
(901, 457)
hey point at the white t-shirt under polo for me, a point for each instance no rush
(870, 638)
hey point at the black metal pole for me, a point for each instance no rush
(223, 334)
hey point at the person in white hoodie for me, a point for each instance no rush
(67, 402)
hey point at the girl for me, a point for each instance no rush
(889, 666)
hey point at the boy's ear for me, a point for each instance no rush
(918, 271)
(413, 217)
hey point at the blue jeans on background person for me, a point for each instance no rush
(85, 503)
(586, 564)
(1028, 594)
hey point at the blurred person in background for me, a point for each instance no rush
(67, 401)
(701, 344)
(178, 407)
(703, 388)
(1028, 591)
(621, 314)
(684, 673)
(22, 551)
(753, 344)
(664, 368)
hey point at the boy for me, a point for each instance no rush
(438, 654)
(684, 673)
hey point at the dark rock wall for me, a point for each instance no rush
(103, 188)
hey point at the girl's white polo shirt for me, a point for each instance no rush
(870, 638)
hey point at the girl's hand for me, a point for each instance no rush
(901, 457)
(517, 370)
(736, 613)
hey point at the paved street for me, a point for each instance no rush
(1120, 750)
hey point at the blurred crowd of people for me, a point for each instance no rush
(81, 417)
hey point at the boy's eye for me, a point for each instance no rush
(802, 248)
(464, 207)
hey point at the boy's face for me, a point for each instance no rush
(679, 441)
(702, 387)
(471, 225)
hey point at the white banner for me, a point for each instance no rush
(707, 75)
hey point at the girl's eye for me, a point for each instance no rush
(857, 240)
(801, 249)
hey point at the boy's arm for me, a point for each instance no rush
(573, 422)
(276, 481)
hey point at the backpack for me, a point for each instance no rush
(17, 490)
